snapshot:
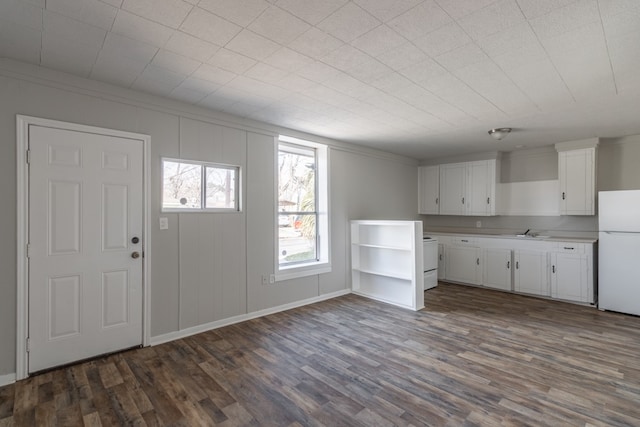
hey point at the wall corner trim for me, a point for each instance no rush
(7, 379)
(172, 336)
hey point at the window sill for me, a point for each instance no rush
(302, 270)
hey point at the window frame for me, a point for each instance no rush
(203, 186)
(322, 263)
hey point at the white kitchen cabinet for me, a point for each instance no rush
(453, 186)
(429, 190)
(571, 273)
(468, 188)
(442, 265)
(462, 264)
(386, 262)
(481, 188)
(551, 268)
(577, 177)
(530, 274)
(497, 265)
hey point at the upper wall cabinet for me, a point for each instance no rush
(429, 190)
(453, 189)
(468, 188)
(577, 177)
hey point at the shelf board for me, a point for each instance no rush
(395, 248)
(385, 274)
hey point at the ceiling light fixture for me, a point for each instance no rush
(499, 133)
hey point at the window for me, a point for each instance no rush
(302, 218)
(198, 186)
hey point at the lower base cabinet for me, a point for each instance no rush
(497, 269)
(530, 274)
(463, 265)
(558, 269)
(570, 277)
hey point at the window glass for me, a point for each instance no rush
(221, 184)
(198, 186)
(182, 185)
(297, 201)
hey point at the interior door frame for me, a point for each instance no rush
(22, 232)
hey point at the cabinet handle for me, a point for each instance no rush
(464, 240)
(508, 265)
(463, 200)
(563, 196)
(517, 265)
(569, 248)
(553, 268)
(478, 261)
(440, 257)
(437, 200)
(488, 200)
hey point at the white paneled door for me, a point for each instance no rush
(85, 245)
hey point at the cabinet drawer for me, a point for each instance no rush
(465, 241)
(570, 248)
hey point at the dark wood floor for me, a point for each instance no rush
(472, 357)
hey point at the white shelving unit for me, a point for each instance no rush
(386, 262)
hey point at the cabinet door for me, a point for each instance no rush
(463, 264)
(453, 180)
(570, 277)
(441, 262)
(530, 274)
(481, 184)
(429, 190)
(576, 172)
(497, 268)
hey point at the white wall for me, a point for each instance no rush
(619, 163)
(205, 267)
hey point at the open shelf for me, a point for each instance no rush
(386, 262)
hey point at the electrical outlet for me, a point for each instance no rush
(272, 278)
(265, 279)
(478, 224)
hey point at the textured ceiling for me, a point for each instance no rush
(422, 78)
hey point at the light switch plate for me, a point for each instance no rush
(164, 223)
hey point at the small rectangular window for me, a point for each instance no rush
(199, 186)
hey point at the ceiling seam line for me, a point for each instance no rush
(548, 56)
(606, 44)
(450, 71)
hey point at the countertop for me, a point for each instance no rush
(514, 237)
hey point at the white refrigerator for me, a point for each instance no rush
(619, 251)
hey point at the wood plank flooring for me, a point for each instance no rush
(471, 357)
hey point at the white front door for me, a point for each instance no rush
(85, 245)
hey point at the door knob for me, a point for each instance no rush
(135, 255)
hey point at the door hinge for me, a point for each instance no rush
(28, 344)
(28, 156)
(28, 250)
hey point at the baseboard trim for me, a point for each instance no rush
(172, 336)
(7, 379)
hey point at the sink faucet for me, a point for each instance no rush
(526, 232)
